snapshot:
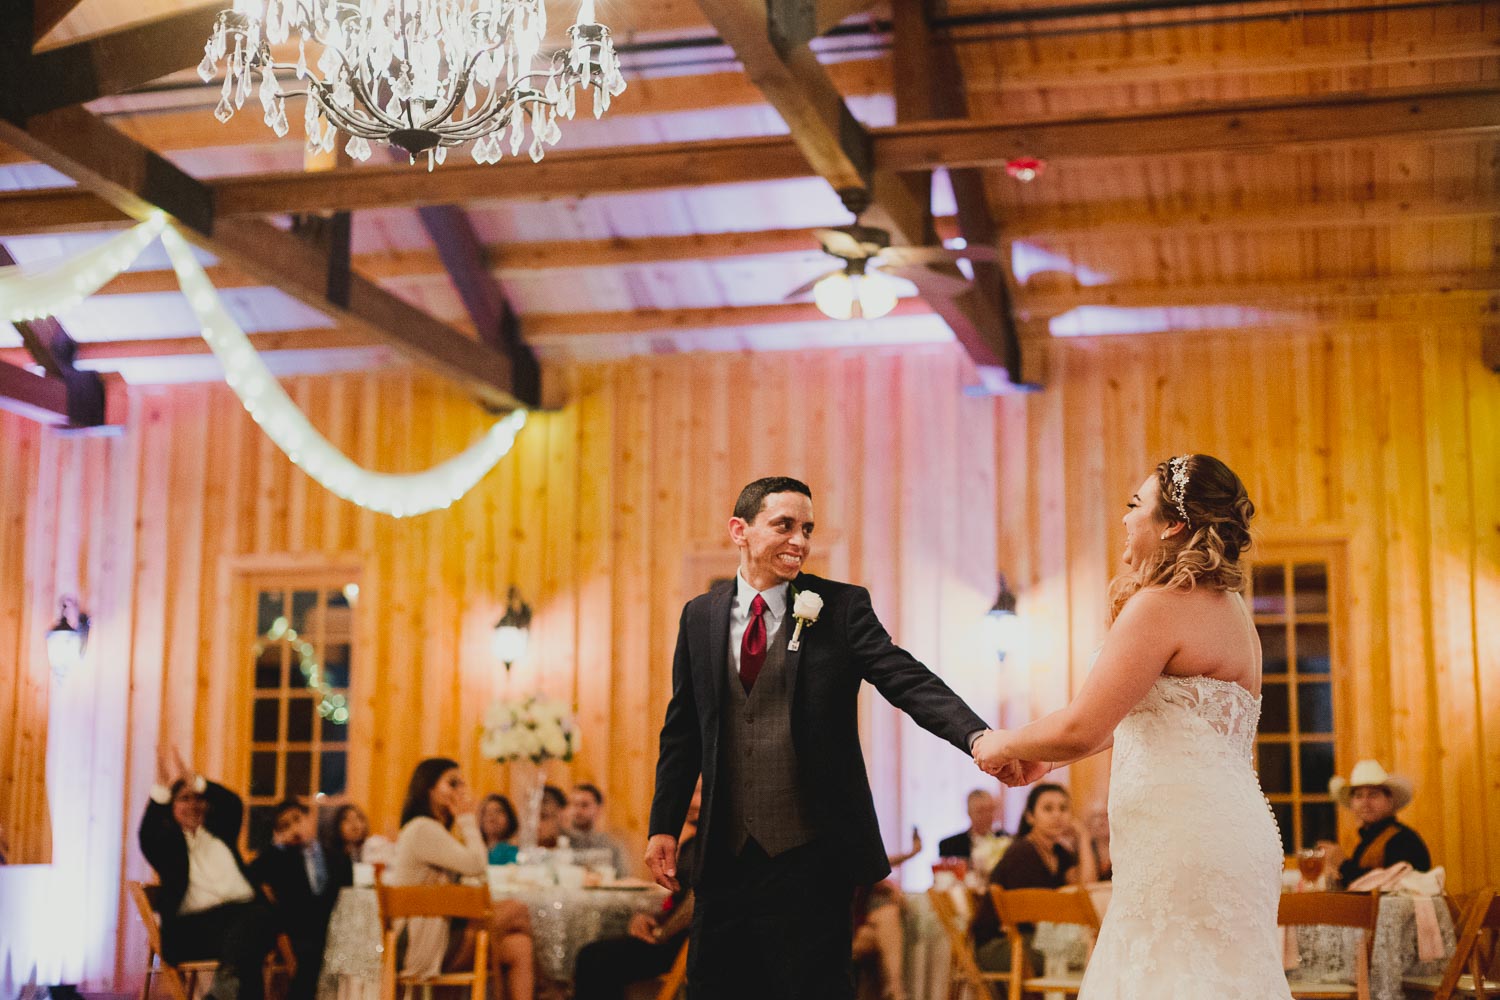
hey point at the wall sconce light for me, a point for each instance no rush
(1003, 624)
(67, 637)
(512, 631)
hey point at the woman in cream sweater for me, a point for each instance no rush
(440, 842)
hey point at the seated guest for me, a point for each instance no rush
(440, 843)
(880, 932)
(1036, 859)
(343, 831)
(296, 874)
(605, 967)
(498, 826)
(981, 805)
(549, 824)
(1375, 797)
(209, 907)
(585, 803)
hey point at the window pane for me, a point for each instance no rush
(267, 720)
(1310, 588)
(263, 773)
(303, 604)
(268, 666)
(1318, 823)
(299, 716)
(1283, 812)
(1275, 717)
(1313, 656)
(331, 779)
(1315, 707)
(1317, 766)
(298, 773)
(335, 726)
(268, 609)
(1272, 648)
(1275, 768)
(336, 665)
(1269, 590)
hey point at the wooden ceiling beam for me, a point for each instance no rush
(48, 14)
(1256, 125)
(106, 64)
(1236, 127)
(140, 183)
(1406, 289)
(42, 398)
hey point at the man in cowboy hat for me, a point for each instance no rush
(1375, 797)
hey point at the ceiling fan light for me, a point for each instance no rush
(834, 296)
(876, 293)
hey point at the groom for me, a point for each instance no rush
(769, 719)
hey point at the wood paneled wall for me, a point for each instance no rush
(610, 513)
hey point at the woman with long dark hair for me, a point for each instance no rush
(343, 832)
(1038, 858)
(1176, 692)
(440, 843)
(498, 826)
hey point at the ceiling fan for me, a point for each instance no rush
(860, 286)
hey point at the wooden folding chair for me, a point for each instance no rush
(1470, 968)
(1035, 906)
(1359, 910)
(182, 977)
(672, 982)
(401, 902)
(963, 970)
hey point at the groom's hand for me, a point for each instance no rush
(661, 860)
(988, 754)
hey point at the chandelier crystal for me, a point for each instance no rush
(422, 75)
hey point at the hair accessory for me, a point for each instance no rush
(1179, 471)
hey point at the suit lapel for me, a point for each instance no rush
(718, 639)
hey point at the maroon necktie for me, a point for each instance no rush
(753, 645)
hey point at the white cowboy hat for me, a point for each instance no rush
(1369, 774)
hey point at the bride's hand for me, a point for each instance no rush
(989, 754)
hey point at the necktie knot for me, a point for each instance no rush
(758, 606)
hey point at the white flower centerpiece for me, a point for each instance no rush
(529, 731)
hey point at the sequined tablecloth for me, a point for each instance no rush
(1328, 953)
(562, 922)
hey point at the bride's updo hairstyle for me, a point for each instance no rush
(1203, 494)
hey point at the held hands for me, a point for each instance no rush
(661, 860)
(991, 756)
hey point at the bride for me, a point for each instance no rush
(1176, 691)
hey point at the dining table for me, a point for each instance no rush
(563, 920)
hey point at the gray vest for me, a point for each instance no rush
(758, 764)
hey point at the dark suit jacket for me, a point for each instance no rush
(165, 848)
(845, 647)
(284, 872)
(957, 846)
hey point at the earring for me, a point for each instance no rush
(1164, 536)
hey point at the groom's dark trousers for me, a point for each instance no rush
(787, 816)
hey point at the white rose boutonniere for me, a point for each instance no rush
(805, 608)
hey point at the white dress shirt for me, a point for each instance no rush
(739, 614)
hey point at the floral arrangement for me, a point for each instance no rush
(532, 728)
(987, 853)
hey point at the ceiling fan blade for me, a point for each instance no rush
(930, 282)
(906, 256)
(841, 244)
(806, 287)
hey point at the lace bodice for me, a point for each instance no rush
(1195, 716)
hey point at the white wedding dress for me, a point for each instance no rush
(1196, 852)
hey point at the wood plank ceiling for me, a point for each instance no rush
(1257, 164)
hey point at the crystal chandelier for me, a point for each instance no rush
(422, 75)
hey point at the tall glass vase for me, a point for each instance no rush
(527, 782)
